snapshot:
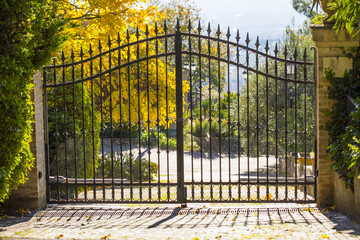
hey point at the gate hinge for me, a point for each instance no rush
(317, 173)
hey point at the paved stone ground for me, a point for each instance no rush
(197, 221)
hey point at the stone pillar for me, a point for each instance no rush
(330, 46)
(32, 194)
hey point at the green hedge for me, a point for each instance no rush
(29, 34)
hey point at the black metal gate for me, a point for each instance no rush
(171, 115)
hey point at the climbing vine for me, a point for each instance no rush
(344, 144)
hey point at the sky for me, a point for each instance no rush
(264, 18)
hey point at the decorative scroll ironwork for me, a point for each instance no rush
(181, 117)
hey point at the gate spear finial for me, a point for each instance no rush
(237, 36)
(228, 35)
(199, 27)
(189, 26)
(177, 25)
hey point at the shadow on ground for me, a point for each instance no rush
(147, 222)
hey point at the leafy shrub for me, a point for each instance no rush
(29, 34)
(154, 137)
(127, 167)
(344, 140)
(201, 129)
(346, 150)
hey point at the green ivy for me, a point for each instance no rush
(29, 34)
(344, 140)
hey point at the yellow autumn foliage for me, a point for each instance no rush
(131, 89)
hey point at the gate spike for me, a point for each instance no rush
(267, 46)
(137, 33)
(109, 42)
(146, 31)
(237, 36)
(165, 26)
(247, 40)
(127, 35)
(305, 54)
(100, 47)
(62, 56)
(257, 44)
(276, 49)
(81, 52)
(177, 25)
(90, 49)
(295, 53)
(118, 39)
(228, 35)
(209, 29)
(72, 55)
(218, 31)
(189, 26)
(285, 51)
(199, 27)
(156, 30)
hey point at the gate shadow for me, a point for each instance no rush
(83, 218)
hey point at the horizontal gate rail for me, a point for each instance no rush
(173, 116)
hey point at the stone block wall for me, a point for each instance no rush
(330, 47)
(345, 200)
(32, 194)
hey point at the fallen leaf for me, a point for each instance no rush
(106, 237)
(324, 236)
(60, 236)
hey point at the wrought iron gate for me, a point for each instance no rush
(174, 115)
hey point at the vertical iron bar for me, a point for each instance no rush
(267, 118)
(148, 106)
(276, 123)
(286, 125)
(296, 132)
(201, 118)
(257, 120)
(229, 114)
(179, 118)
(120, 121)
(238, 112)
(65, 128)
(74, 120)
(129, 124)
(56, 135)
(305, 122)
(92, 122)
(102, 121)
(83, 121)
(139, 114)
(157, 109)
(247, 41)
(219, 121)
(111, 127)
(167, 114)
(210, 117)
(191, 117)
